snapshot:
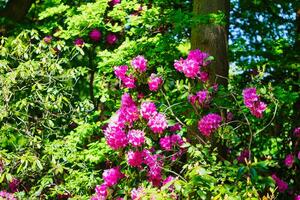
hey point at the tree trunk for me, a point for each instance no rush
(213, 38)
(297, 45)
(16, 9)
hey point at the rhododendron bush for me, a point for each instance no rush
(155, 144)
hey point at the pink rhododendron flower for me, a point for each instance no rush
(215, 87)
(79, 42)
(251, 100)
(282, 185)
(135, 159)
(95, 35)
(297, 197)
(120, 71)
(245, 154)
(176, 139)
(115, 136)
(111, 38)
(209, 123)
(192, 99)
(154, 82)
(297, 132)
(167, 180)
(250, 97)
(126, 100)
(129, 111)
(114, 2)
(175, 127)
(47, 39)
(112, 176)
(7, 196)
(128, 82)
(198, 56)
(202, 96)
(165, 143)
(179, 65)
(155, 165)
(148, 109)
(158, 123)
(140, 95)
(13, 185)
(155, 176)
(101, 190)
(229, 116)
(258, 109)
(191, 68)
(168, 142)
(139, 63)
(289, 160)
(136, 138)
(137, 194)
(203, 76)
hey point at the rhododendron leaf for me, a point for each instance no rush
(253, 173)
(241, 172)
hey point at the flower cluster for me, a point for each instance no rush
(252, 101)
(191, 67)
(136, 138)
(47, 39)
(139, 63)
(297, 132)
(135, 158)
(282, 185)
(202, 98)
(137, 194)
(158, 123)
(95, 35)
(114, 2)
(129, 111)
(111, 38)
(79, 42)
(154, 163)
(154, 82)
(13, 185)
(115, 135)
(111, 177)
(245, 155)
(289, 160)
(168, 142)
(175, 127)
(6, 195)
(148, 109)
(209, 123)
(128, 81)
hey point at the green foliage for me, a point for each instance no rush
(56, 98)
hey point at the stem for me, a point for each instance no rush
(92, 77)
(248, 123)
(275, 112)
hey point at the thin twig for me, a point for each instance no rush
(275, 111)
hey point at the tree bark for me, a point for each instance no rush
(213, 38)
(297, 45)
(16, 9)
